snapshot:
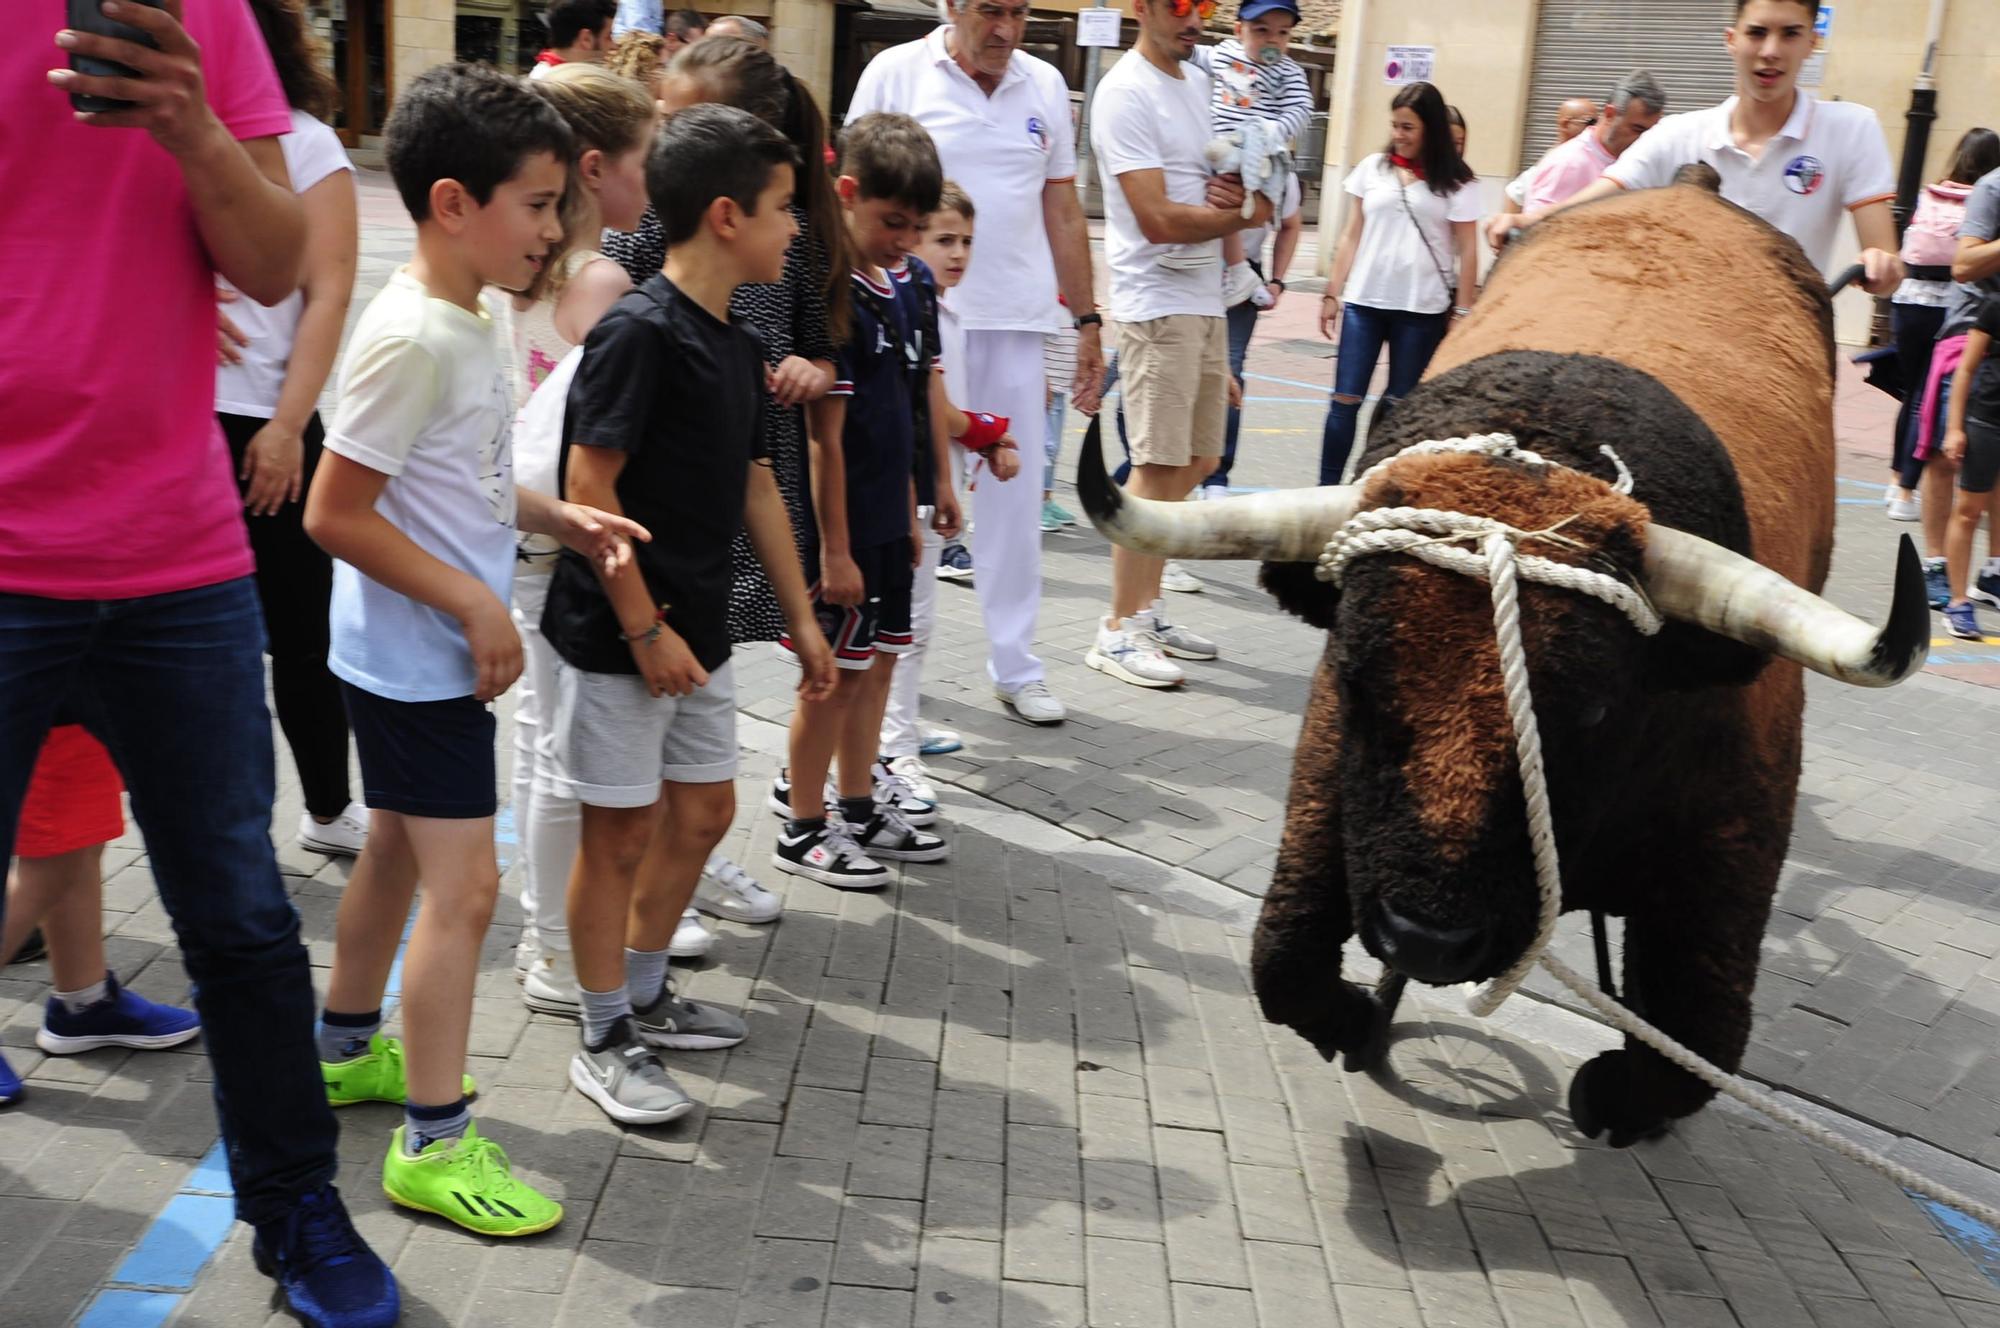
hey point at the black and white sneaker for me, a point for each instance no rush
(830, 856)
(890, 835)
(894, 789)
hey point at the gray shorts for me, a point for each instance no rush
(615, 742)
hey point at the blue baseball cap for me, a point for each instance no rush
(1254, 9)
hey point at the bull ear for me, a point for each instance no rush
(1685, 658)
(1302, 594)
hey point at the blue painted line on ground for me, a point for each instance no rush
(1326, 387)
(170, 1254)
(1975, 1240)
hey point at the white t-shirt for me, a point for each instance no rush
(951, 348)
(1829, 159)
(1002, 150)
(1404, 264)
(1145, 119)
(312, 152)
(423, 400)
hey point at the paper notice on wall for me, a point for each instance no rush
(1812, 74)
(1409, 64)
(1097, 26)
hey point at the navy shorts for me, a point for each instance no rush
(424, 758)
(880, 623)
(1981, 466)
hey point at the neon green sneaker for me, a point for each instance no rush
(467, 1181)
(374, 1076)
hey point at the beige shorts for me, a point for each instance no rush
(1173, 374)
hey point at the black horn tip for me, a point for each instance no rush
(1101, 498)
(1905, 640)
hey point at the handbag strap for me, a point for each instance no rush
(1403, 192)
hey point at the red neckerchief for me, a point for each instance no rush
(548, 58)
(1415, 168)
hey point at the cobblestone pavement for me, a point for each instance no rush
(1030, 1087)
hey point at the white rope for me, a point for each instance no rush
(1437, 537)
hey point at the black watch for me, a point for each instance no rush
(1279, 284)
(1089, 320)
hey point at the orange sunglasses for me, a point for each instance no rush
(1182, 8)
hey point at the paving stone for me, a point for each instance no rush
(958, 1284)
(878, 1243)
(1043, 1240)
(1127, 1285)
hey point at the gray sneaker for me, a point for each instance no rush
(681, 1025)
(1175, 639)
(626, 1079)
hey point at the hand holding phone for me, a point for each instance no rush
(88, 16)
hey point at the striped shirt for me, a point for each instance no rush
(1245, 89)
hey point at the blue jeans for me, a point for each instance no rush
(173, 685)
(1412, 340)
(1242, 323)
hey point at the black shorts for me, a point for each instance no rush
(1981, 466)
(424, 758)
(880, 623)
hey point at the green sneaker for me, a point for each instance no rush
(467, 1181)
(374, 1076)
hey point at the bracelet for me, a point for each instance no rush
(1460, 311)
(652, 633)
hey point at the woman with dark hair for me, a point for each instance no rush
(1412, 219)
(1916, 315)
(275, 363)
(1457, 119)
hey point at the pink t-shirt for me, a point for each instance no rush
(1566, 170)
(114, 478)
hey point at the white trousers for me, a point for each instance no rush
(1004, 375)
(900, 735)
(548, 827)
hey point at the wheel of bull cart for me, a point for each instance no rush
(1374, 1052)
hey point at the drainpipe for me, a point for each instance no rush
(1923, 110)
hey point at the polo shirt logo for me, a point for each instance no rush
(1038, 133)
(1804, 174)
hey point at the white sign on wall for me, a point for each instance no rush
(1097, 26)
(1409, 64)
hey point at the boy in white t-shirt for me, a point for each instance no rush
(416, 499)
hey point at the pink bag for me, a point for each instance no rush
(1932, 237)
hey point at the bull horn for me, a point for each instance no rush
(1289, 526)
(1697, 581)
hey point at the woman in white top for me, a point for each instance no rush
(275, 363)
(1410, 228)
(613, 118)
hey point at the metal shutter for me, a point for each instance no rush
(1583, 47)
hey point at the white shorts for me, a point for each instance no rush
(615, 742)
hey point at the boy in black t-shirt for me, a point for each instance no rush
(663, 425)
(867, 473)
(1972, 442)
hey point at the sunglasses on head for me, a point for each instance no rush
(1182, 8)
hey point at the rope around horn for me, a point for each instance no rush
(1441, 538)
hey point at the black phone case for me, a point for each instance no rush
(88, 16)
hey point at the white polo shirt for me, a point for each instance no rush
(1001, 150)
(1829, 159)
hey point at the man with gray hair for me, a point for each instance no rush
(1001, 121)
(1636, 105)
(735, 25)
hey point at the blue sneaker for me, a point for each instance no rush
(121, 1019)
(1962, 622)
(955, 563)
(329, 1276)
(1985, 590)
(10, 1084)
(1935, 585)
(940, 742)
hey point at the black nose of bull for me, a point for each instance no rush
(1429, 954)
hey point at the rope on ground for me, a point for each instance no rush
(1438, 537)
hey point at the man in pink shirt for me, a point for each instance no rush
(1636, 105)
(126, 601)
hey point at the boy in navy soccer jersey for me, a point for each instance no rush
(871, 451)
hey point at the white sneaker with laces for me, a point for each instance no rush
(1173, 638)
(727, 891)
(550, 987)
(342, 837)
(691, 939)
(913, 772)
(1033, 703)
(527, 952)
(1132, 654)
(1905, 509)
(1177, 578)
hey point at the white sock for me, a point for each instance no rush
(601, 1010)
(645, 976)
(76, 1002)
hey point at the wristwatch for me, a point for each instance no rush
(1279, 284)
(1089, 320)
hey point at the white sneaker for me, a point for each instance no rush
(1132, 654)
(727, 891)
(913, 772)
(1033, 703)
(342, 837)
(1905, 509)
(1173, 638)
(1176, 577)
(691, 939)
(1238, 284)
(550, 987)
(526, 952)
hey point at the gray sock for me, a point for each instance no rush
(424, 1126)
(343, 1037)
(602, 1009)
(645, 976)
(76, 1002)
(1991, 568)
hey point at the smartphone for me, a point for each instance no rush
(88, 16)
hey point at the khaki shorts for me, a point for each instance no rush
(1173, 373)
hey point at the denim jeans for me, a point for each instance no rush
(1242, 323)
(173, 685)
(1412, 340)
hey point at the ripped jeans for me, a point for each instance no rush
(1412, 340)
